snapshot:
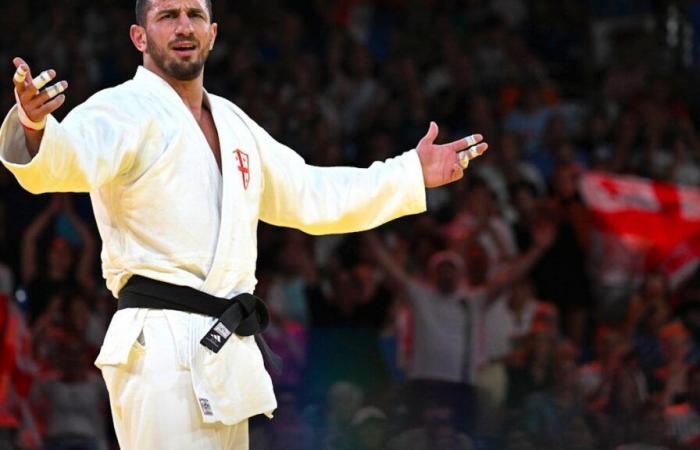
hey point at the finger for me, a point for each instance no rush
(20, 75)
(429, 138)
(23, 81)
(472, 153)
(23, 67)
(21, 70)
(43, 78)
(56, 89)
(461, 144)
(48, 93)
(463, 160)
(476, 151)
(50, 106)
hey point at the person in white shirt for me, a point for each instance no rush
(179, 179)
(448, 315)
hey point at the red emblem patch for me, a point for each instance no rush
(243, 167)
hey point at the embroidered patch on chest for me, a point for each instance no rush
(206, 407)
(243, 166)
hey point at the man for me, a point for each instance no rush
(448, 313)
(178, 180)
(438, 431)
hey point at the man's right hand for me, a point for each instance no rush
(36, 103)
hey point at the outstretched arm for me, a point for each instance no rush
(346, 199)
(544, 234)
(95, 143)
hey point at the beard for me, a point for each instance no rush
(177, 68)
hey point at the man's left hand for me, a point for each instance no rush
(443, 164)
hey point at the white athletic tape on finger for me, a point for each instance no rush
(25, 120)
(467, 155)
(463, 159)
(476, 151)
(43, 78)
(20, 75)
(55, 89)
(471, 140)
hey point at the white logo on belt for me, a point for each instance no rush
(222, 330)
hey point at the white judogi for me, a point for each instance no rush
(164, 211)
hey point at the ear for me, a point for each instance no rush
(138, 37)
(214, 30)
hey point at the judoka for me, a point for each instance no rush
(178, 179)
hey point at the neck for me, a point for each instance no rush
(190, 91)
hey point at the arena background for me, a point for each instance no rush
(573, 243)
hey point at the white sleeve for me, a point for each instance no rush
(95, 143)
(327, 200)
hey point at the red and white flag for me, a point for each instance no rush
(663, 218)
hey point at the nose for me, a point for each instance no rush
(184, 24)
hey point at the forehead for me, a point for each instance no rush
(160, 5)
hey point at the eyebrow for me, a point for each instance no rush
(177, 11)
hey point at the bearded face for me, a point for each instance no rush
(182, 59)
(177, 37)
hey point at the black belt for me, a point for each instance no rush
(245, 314)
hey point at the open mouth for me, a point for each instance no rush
(185, 48)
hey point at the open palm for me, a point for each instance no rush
(445, 163)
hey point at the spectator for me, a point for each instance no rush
(506, 325)
(555, 417)
(343, 402)
(448, 313)
(561, 275)
(683, 419)
(673, 375)
(626, 411)
(509, 320)
(437, 433)
(61, 270)
(596, 377)
(533, 366)
(346, 321)
(369, 429)
(75, 402)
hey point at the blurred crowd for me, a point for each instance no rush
(486, 323)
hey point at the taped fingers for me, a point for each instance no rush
(56, 89)
(463, 159)
(43, 78)
(463, 143)
(473, 152)
(32, 114)
(46, 95)
(20, 74)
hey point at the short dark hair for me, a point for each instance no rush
(142, 10)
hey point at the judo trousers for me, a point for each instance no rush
(153, 403)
